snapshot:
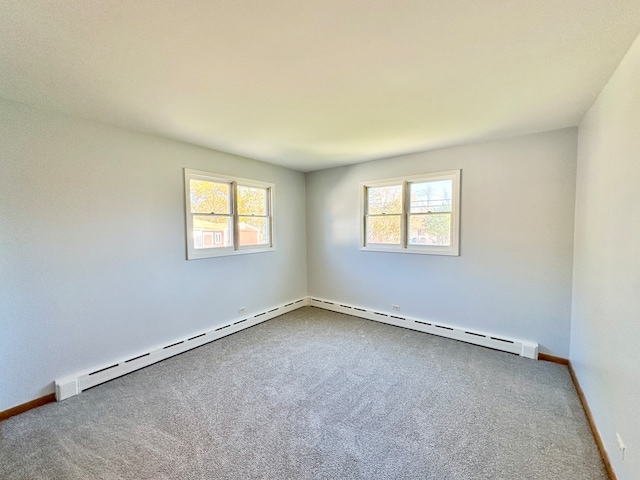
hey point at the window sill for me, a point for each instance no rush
(229, 253)
(448, 251)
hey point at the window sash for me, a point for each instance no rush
(430, 214)
(390, 215)
(391, 211)
(267, 231)
(213, 247)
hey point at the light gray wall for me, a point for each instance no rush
(605, 328)
(92, 247)
(514, 274)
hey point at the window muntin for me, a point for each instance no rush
(227, 215)
(418, 214)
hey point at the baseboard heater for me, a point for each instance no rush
(519, 347)
(74, 384)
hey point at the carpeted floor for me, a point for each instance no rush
(315, 394)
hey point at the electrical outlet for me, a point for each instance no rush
(395, 308)
(621, 446)
(241, 309)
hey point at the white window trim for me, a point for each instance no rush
(404, 246)
(235, 249)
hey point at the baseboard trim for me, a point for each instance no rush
(25, 407)
(72, 385)
(497, 342)
(592, 423)
(585, 407)
(551, 358)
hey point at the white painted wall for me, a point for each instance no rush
(92, 247)
(605, 327)
(513, 276)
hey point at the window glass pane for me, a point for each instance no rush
(430, 196)
(383, 229)
(430, 229)
(210, 197)
(212, 231)
(384, 199)
(253, 231)
(252, 200)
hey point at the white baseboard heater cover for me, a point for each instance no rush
(74, 384)
(520, 347)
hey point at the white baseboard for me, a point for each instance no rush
(74, 384)
(497, 342)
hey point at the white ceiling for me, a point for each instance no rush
(311, 84)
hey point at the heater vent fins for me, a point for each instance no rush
(476, 334)
(136, 358)
(501, 340)
(105, 368)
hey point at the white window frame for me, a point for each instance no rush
(235, 249)
(404, 246)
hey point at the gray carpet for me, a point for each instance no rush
(315, 394)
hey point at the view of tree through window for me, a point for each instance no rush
(227, 215)
(210, 197)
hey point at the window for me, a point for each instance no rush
(227, 215)
(418, 214)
